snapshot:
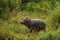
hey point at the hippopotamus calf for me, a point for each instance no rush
(34, 24)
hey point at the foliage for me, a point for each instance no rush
(13, 11)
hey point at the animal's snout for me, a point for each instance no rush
(22, 22)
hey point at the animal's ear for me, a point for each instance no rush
(27, 19)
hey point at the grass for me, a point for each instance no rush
(12, 29)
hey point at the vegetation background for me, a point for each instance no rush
(13, 11)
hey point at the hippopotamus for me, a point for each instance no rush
(34, 24)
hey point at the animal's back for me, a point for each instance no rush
(36, 20)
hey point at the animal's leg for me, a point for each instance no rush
(31, 29)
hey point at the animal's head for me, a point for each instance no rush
(25, 21)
